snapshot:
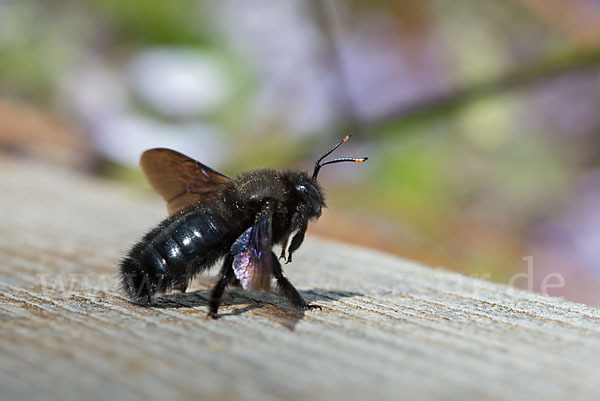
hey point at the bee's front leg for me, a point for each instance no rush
(295, 244)
(292, 242)
(298, 228)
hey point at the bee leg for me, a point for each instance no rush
(181, 287)
(284, 247)
(226, 277)
(296, 242)
(288, 289)
(298, 227)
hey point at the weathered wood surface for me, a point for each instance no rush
(389, 329)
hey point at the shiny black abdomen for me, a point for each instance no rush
(173, 253)
(186, 239)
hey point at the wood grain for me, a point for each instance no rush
(390, 329)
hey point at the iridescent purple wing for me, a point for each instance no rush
(252, 259)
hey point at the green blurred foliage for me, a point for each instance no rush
(153, 21)
(33, 58)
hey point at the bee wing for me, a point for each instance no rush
(252, 259)
(180, 180)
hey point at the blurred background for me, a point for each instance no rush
(481, 120)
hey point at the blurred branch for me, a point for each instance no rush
(329, 22)
(579, 60)
(574, 18)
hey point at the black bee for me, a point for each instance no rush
(213, 216)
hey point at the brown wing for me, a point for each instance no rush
(180, 180)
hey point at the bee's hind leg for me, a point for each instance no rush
(288, 290)
(181, 287)
(226, 277)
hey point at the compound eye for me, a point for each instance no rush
(312, 195)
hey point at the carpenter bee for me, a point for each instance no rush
(212, 217)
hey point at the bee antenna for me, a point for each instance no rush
(318, 164)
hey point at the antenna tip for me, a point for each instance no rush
(364, 159)
(346, 138)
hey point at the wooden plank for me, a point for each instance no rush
(390, 329)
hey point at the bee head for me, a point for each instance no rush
(311, 196)
(308, 188)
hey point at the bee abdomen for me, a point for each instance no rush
(197, 233)
(171, 255)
